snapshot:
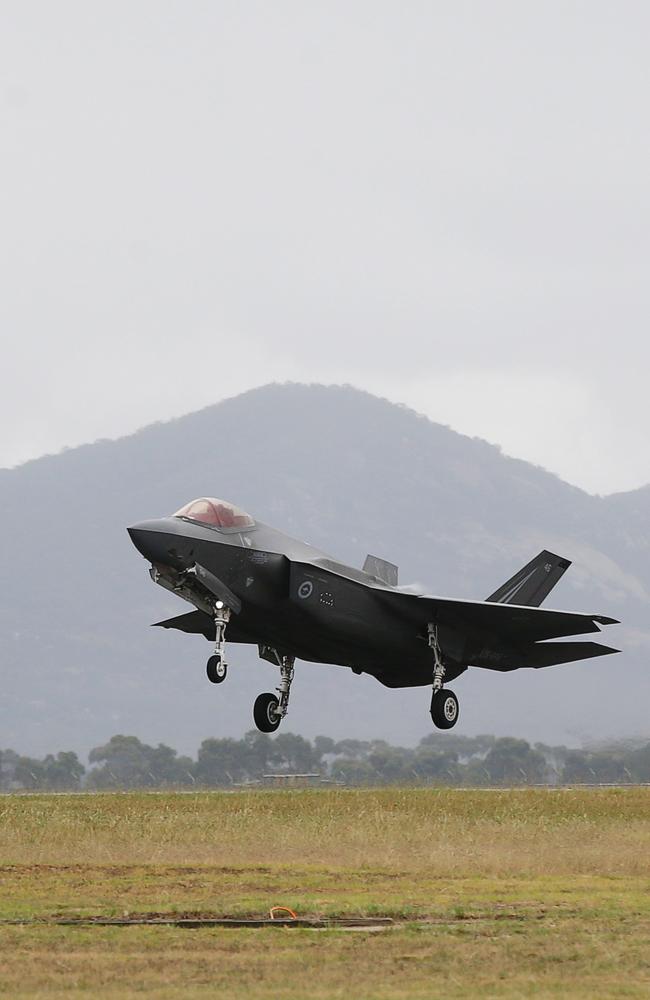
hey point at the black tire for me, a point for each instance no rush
(444, 709)
(265, 713)
(216, 670)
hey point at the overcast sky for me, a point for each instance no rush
(444, 202)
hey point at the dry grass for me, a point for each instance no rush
(494, 959)
(465, 832)
(531, 893)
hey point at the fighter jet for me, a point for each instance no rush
(251, 583)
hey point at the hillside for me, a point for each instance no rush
(350, 473)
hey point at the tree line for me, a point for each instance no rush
(124, 762)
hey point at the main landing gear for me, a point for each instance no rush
(444, 703)
(269, 710)
(216, 667)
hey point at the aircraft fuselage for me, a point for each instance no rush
(325, 612)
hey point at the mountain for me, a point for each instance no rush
(352, 474)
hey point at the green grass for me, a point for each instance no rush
(523, 893)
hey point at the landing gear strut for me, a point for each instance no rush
(444, 703)
(216, 667)
(269, 710)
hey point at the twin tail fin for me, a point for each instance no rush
(532, 584)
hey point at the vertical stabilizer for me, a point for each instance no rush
(532, 584)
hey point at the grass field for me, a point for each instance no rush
(499, 894)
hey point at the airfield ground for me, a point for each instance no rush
(530, 893)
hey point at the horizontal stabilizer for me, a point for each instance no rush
(551, 653)
(543, 654)
(532, 584)
(381, 569)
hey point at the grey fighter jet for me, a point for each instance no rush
(256, 585)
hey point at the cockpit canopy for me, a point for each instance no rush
(216, 513)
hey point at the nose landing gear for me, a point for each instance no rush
(269, 710)
(216, 667)
(444, 703)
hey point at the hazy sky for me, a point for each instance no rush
(444, 202)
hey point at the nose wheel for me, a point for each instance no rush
(216, 667)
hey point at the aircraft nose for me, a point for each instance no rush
(145, 535)
(141, 536)
(160, 541)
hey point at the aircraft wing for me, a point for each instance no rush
(472, 622)
(194, 622)
(511, 621)
(508, 636)
(198, 623)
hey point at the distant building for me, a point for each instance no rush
(294, 780)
